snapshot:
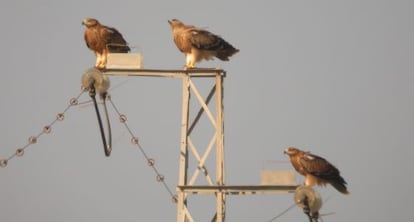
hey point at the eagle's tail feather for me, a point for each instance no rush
(225, 54)
(341, 187)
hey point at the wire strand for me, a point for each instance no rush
(60, 117)
(46, 130)
(282, 213)
(150, 161)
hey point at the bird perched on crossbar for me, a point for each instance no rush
(102, 40)
(316, 170)
(198, 44)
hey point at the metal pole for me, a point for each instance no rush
(183, 165)
(221, 206)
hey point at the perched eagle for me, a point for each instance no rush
(317, 170)
(198, 44)
(103, 40)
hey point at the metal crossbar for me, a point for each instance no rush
(214, 186)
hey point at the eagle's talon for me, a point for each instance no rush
(189, 67)
(100, 66)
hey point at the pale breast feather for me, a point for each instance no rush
(182, 44)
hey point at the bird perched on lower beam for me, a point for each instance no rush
(316, 170)
(102, 40)
(198, 44)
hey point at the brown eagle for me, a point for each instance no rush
(317, 170)
(198, 44)
(103, 40)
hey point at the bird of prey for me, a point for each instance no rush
(316, 170)
(103, 40)
(198, 44)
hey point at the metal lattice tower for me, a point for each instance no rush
(186, 183)
(187, 146)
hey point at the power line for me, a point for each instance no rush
(150, 161)
(46, 130)
(283, 212)
(122, 119)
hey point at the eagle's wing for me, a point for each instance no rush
(115, 42)
(323, 171)
(205, 40)
(318, 166)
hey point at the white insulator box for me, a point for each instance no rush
(124, 61)
(278, 177)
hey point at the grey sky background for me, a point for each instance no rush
(332, 77)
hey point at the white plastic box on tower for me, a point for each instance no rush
(278, 177)
(124, 61)
(283, 176)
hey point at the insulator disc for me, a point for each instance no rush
(19, 152)
(134, 140)
(151, 162)
(160, 178)
(47, 129)
(3, 163)
(122, 118)
(60, 116)
(32, 140)
(73, 101)
(175, 199)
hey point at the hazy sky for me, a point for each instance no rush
(332, 77)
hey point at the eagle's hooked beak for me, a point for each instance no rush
(86, 21)
(169, 22)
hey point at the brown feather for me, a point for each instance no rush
(103, 39)
(198, 44)
(317, 170)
